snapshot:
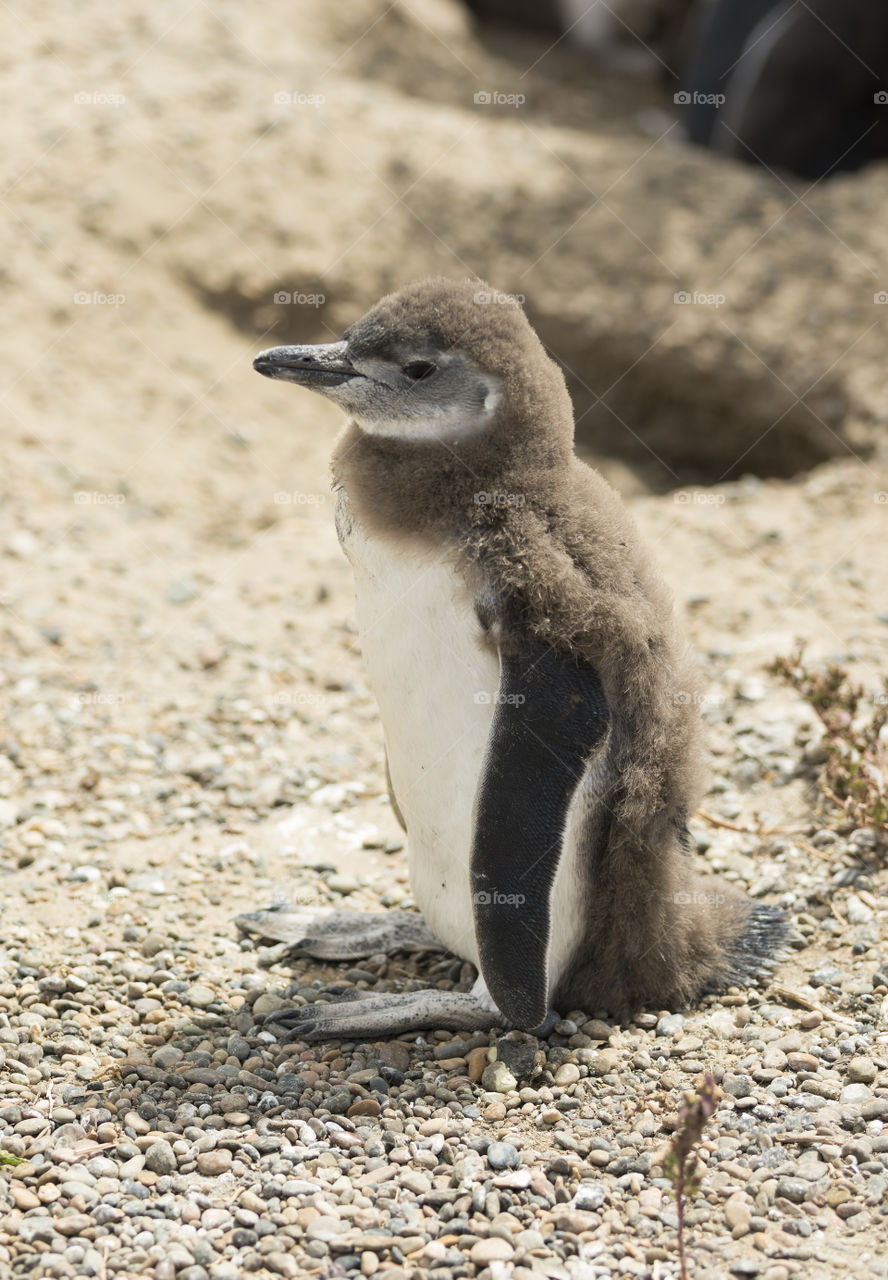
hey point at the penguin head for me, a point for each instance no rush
(438, 360)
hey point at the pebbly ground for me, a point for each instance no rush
(201, 741)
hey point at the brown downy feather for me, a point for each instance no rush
(563, 557)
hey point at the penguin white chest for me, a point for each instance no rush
(436, 685)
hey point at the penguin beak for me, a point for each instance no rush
(320, 367)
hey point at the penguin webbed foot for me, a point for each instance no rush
(360, 1015)
(326, 933)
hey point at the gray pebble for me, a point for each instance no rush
(589, 1196)
(856, 1093)
(669, 1024)
(199, 996)
(166, 1056)
(37, 1228)
(343, 884)
(502, 1155)
(161, 1158)
(794, 1189)
(519, 1057)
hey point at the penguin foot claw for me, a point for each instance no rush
(368, 1016)
(300, 1012)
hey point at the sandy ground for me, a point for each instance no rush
(184, 709)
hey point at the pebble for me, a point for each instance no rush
(802, 1062)
(856, 910)
(160, 1158)
(200, 997)
(343, 884)
(395, 1054)
(494, 1249)
(24, 1199)
(856, 1093)
(591, 1197)
(565, 1027)
(669, 1024)
(502, 1155)
(364, 1107)
(212, 1163)
(521, 1058)
(793, 1189)
(738, 1216)
(595, 1029)
(325, 1228)
(575, 1220)
(811, 1019)
(476, 1062)
(862, 1070)
(497, 1078)
(38, 1228)
(605, 1061)
(568, 1073)
(268, 1003)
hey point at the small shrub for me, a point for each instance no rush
(682, 1167)
(854, 779)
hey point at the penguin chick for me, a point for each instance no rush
(542, 733)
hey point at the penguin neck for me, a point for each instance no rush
(443, 489)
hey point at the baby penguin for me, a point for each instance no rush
(541, 730)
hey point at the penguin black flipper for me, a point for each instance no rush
(550, 721)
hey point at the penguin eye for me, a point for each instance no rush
(419, 369)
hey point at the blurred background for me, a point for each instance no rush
(197, 165)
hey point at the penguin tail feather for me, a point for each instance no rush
(764, 943)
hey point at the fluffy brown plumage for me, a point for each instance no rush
(567, 564)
